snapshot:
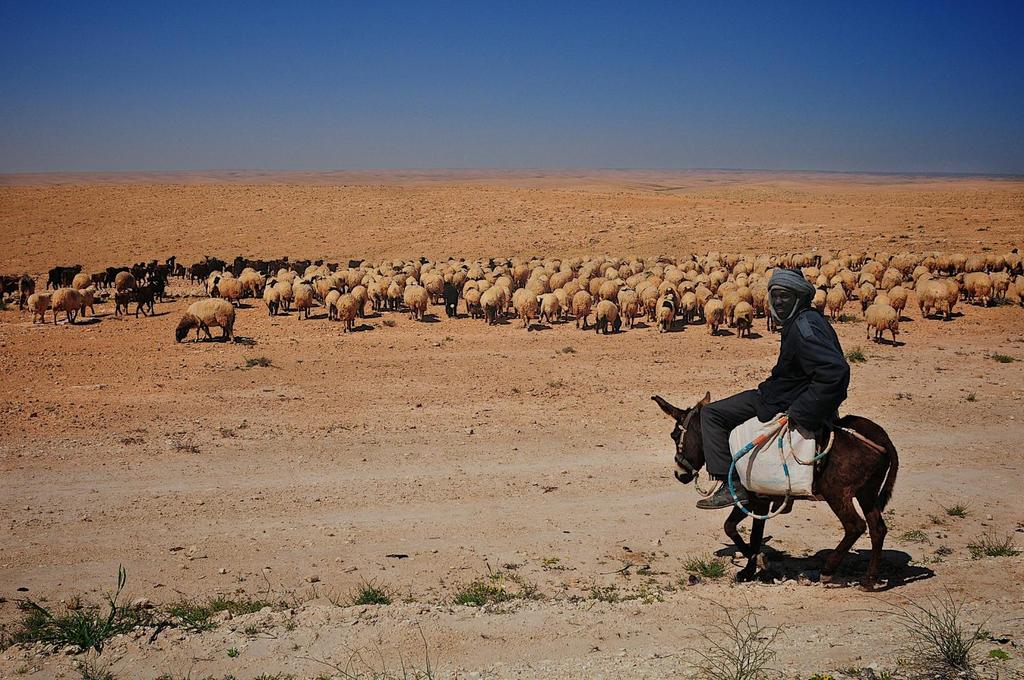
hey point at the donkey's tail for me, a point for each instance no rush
(877, 437)
(885, 493)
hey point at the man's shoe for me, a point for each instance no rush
(722, 498)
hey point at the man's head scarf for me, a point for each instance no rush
(793, 281)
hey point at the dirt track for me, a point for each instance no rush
(470, 448)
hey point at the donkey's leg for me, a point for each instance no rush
(732, 531)
(756, 535)
(853, 525)
(878, 530)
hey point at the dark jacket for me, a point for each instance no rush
(811, 376)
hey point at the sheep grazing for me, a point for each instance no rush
(67, 300)
(450, 293)
(473, 303)
(1000, 285)
(145, 300)
(978, 287)
(714, 314)
(39, 304)
(202, 315)
(743, 314)
(346, 309)
(934, 297)
(121, 300)
(26, 287)
(881, 318)
(231, 289)
(867, 294)
(89, 300)
(607, 315)
(285, 293)
(252, 282)
(81, 281)
(302, 298)
(898, 298)
(416, 298)
(361, 296)
(527, 307)
(124, 281)
(629, 306)
(272, 299)
(329, 300)
(582, 301)
(550, 308)
(818, 302)
(835, 300)
(665, 313)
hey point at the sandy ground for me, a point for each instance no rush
(471, 449)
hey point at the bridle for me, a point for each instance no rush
(683, 465)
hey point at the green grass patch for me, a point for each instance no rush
(258, 362)
(957, 510)
(706, 567)
(856, 356)
(494, 589)
(568, 349)
(848, 318)
(990, 545)
(370, 593)
(85, 626)
(915, 536)
(972, 397)
(390, 323)
(197, 616)
(1003, 358)
(90, 670)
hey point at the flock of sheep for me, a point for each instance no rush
(716, 289)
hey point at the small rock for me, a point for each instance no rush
(313, 579)
(222, 570)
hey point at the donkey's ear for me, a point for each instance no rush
(670, 410)
(705, 400)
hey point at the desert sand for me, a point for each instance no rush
(423, 456)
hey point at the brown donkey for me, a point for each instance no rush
(854, 468)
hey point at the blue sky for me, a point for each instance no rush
(919, 86)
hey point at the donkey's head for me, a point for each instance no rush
(686, 434)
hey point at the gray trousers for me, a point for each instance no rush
(717, 420)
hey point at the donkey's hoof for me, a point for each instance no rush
(825, 579)
(869, 585)
(745, 575)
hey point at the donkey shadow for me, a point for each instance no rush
(894, 566)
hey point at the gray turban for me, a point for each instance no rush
(792, 280)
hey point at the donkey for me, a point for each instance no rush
(862, 464)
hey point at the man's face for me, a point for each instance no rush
(783, 302)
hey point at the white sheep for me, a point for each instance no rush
(880, 318)
(416, 298)
(606, 317)
(67, 300)
(39, 304)
(582, 301)
(743, 316)
(302, 299)
(202, 315)
(714, 314)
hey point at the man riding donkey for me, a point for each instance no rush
(808, 383)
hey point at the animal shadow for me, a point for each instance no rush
(895, 568)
